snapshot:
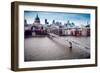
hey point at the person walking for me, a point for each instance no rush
(70, 47)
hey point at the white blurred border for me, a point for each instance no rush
(33, 64)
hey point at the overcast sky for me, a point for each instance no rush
(77, 18)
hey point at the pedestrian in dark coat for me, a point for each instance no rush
(70, 46)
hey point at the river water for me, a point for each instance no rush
(45, 48)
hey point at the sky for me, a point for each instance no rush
(63, 17)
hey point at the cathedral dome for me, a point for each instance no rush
(37, 19)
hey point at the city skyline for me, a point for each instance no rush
(77, 18)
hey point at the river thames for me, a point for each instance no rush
(45, 48)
